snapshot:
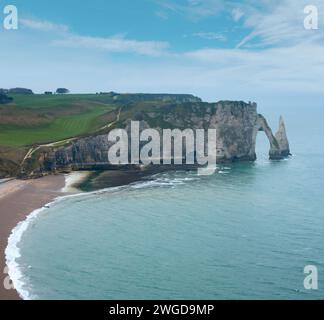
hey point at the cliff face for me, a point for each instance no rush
(237, 125)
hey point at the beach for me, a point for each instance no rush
(18, 198)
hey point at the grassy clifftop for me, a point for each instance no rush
(39, 118)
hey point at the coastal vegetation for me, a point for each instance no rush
(5, 99)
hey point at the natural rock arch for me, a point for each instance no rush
(279, 145)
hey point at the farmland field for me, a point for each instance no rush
(40, 119)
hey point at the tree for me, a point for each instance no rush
(5, 99)
(62, 91)
(20, 91)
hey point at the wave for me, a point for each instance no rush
(13, 253)
(72, 179)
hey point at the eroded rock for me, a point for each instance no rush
(237, 124)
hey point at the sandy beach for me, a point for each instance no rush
(18, 198)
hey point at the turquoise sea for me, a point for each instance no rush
(246, 232)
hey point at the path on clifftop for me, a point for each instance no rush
(32, 150)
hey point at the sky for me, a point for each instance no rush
(216, 49)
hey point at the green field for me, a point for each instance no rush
(36, 101)
(52, 118)
(38, 118)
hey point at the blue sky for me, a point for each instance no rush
(217, 49)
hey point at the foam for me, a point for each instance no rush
(12, 251)
(72, 179)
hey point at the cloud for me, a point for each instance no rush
(237, 14)
(280, 23)
(162, 14)
(116, 43)
(210, 36)
(191, 9)
(43, 25)
(273, 69)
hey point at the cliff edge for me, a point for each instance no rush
(237, 124)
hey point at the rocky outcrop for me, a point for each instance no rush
(281, 137)
(237, 125)
(279, 149)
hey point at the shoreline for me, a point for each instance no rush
(18, 199)
(21, 200)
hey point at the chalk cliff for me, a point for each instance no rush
(237, 124)
(282, 139)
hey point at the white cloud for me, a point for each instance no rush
(43, 25)
(210, 36)
(60, 36)
(237, 14)
(299, 68)
(114, 44)
(162, 14)
(192, 9)
(280, 23)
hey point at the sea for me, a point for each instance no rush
(246, 232)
